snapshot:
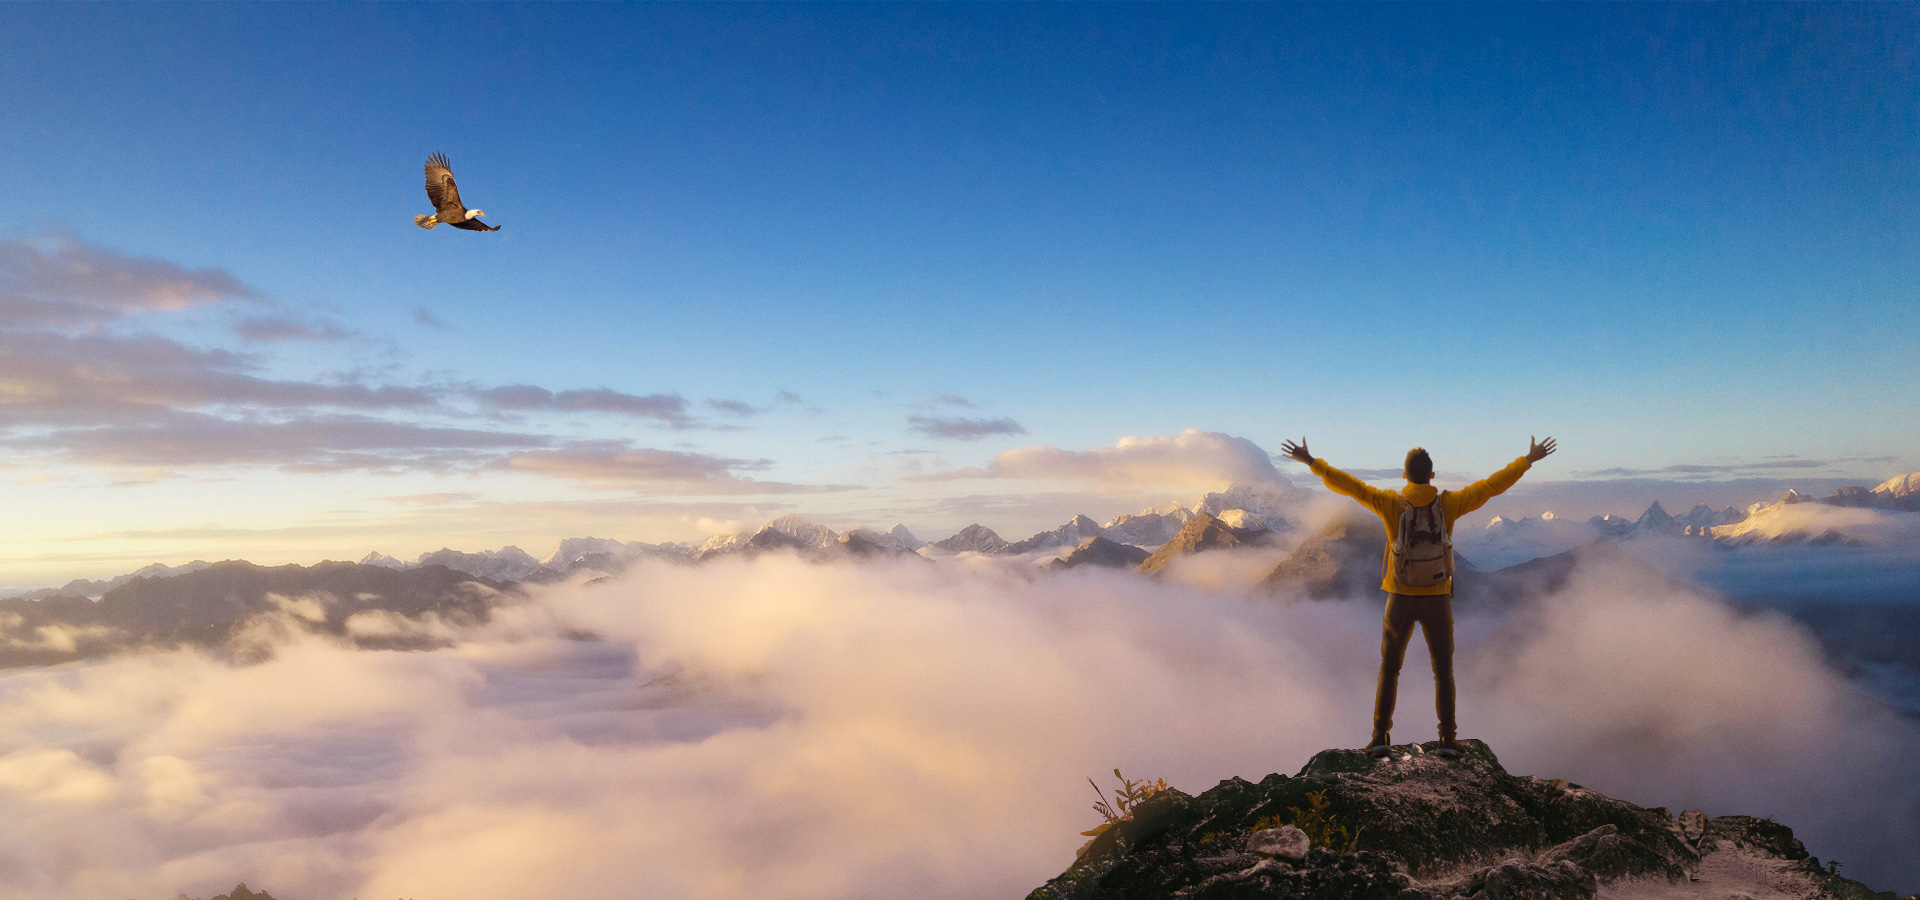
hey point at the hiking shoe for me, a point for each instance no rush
(1377, 747)
(1448, 750)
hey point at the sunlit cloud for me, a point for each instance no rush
(1192, 458)
(99, 396)
(808, 731)
(58, 280)
(61, 379)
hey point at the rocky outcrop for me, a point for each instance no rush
(1414, 826)
(1098, 551)
(1203, 532)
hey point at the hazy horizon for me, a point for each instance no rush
(930, 264)
(924, 264)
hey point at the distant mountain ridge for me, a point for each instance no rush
(211, 606)
(82, 587)
(1243, 507)
(1793, 518)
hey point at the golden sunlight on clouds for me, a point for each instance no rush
(781, 729)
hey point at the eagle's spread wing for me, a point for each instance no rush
(441, 191)
(476, 225)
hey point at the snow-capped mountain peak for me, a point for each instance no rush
(900, 533)
(807, 533)
(1900, 487)
(976, 538)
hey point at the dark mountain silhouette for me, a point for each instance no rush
(1655, 521)
(1098, 551)
(1873, 498)
(206, 608)
(86, 587)
(1203, 532)
(1341, 559)
(860, 546)
(239, 892)
(1417, 827)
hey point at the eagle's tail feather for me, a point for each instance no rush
(426, 222)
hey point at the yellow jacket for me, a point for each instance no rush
(1389, 504)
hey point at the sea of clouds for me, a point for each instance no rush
(772, 728)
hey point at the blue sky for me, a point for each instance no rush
(1668, 235)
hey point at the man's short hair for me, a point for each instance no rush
(1419, 466)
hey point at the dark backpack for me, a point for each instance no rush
(1422, 552)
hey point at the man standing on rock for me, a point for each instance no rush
(1418, 571)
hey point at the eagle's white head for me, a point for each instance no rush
(474, 214)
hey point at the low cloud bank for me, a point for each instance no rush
(776, 729)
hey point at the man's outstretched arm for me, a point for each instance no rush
(1337, 481)
(1476, 495)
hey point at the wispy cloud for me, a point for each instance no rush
(311, 444)
(423, 316)
(1716, 469)
(617, 464)
(670, 409)
(742, 409)
(734, 407)
(57, 280)
(1192, 457)
(62, 379)
(964, 429)
(81, 384)
(274, 330)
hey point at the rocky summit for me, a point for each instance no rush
(1415, 826)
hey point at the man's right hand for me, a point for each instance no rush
(1298, 452)
(1538, 450)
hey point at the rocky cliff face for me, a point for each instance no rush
(1201, 533)
(1418, 827)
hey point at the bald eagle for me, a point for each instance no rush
(445, 198)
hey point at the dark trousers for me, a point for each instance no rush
(1434, 613)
